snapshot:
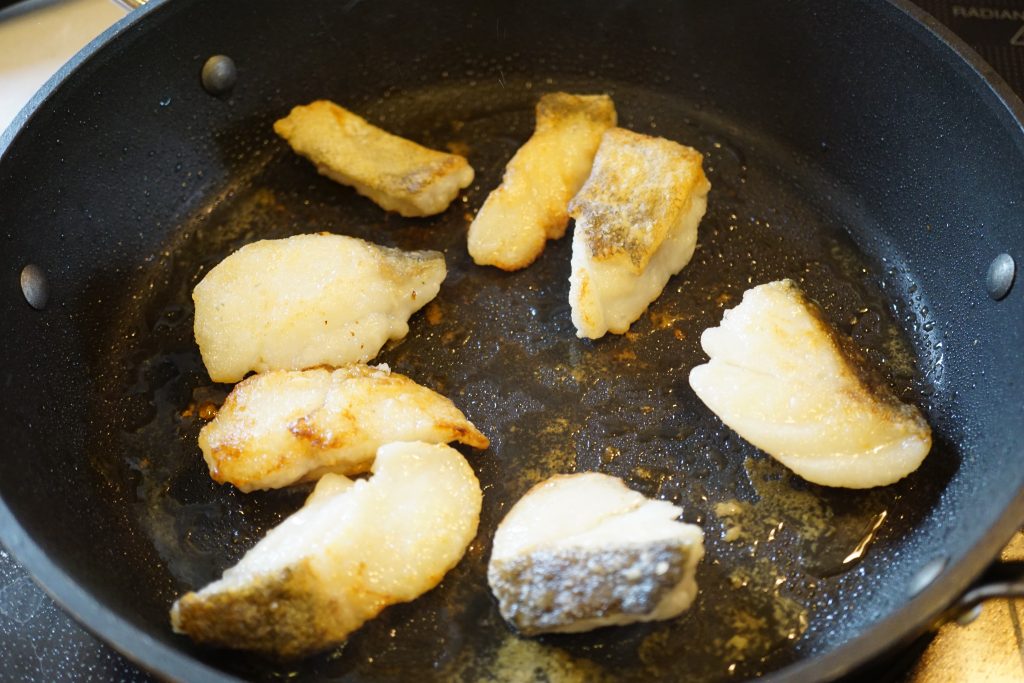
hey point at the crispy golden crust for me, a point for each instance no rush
(398, 174)
(638, 189)
(560, 108)
(282, 616)
(530, 205)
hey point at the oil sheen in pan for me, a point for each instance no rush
(782, 554)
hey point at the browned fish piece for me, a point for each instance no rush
(531, 204)
(583, 551)
(308, 300)
(280, 428)
(636, 227)
(398, 174)
(788, 383)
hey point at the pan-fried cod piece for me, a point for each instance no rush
(282, 427)
(352, 550)
(583, 551)
(636, 227)
(397, 174)
(530, 205)
(791, 385)
(308, 300)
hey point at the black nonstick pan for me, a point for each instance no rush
(857, 149)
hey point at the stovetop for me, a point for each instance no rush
(41, 644)
(994, 28)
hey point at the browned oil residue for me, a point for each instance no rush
(663, 320)
(759, 621)
(559, 456)
(459, 147)
(825, 562)
(265, 199)
(206, 410)
(731, 512)
(625, 355)
(610, 455)
(558, 426)
(755, 633)
(518, 660)
(434, 313)
(778, 503)
(206, 401)
(830, 544)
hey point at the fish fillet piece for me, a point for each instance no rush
(583, 551)
(791, 385)
(308, 300)
(636, 226)
(530, 205)
(281, 427)
(353, 549)
(397, 174)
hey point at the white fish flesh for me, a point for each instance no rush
(791, 385)
(308, 300)
(636, 227)
(397, 174)
(583, 551)
(286, 426)
(531, 204)
(352, 550)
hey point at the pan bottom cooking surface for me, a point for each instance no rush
(780, 580)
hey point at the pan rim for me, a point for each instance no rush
(78, 60)
(130, 641)
(901, 627)
(896, 629)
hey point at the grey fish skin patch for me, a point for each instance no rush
(552, 588)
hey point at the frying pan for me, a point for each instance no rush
(859, 149)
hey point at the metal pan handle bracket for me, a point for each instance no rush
(1003, 579)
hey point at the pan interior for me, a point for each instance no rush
(503, 347)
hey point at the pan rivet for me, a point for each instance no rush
(928, 573)
(34, 286)
(1000, 276)
(219, 74)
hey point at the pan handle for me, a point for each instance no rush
(1004, 579)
